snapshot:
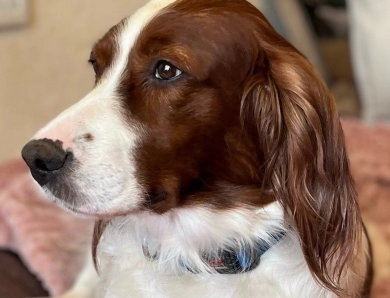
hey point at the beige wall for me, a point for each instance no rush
(43, 67)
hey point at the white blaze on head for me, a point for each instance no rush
(104, 180)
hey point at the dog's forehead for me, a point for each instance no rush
(185, 20)
(113, 48)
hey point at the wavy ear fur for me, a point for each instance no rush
(292, 116)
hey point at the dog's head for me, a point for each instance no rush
(202, 102)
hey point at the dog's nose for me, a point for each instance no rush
(45, 158)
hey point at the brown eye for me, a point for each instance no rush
(94, 64)
(166, 71)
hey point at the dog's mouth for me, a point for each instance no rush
(65, 194)
(87, 210)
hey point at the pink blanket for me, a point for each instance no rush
(369, 153)
(52, 242)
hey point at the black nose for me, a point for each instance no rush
(45, 158)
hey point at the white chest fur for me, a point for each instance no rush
(180, 235)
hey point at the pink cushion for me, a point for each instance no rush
(50, 241)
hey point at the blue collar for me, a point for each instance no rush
(231, 261)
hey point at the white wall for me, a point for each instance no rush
(370, 44)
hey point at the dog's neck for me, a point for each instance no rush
(241, 258)
(183, 235)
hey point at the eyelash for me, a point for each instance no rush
(177, 72)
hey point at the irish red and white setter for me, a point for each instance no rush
(212, 155)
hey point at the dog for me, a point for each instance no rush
(212, 156)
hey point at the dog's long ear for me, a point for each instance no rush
(289, 111)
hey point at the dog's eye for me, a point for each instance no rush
(94, 64)
(166, 71)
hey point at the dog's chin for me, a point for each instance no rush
(81, 207)
(103, 215)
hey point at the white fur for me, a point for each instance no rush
(182, 235)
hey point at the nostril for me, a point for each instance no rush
(49, 165)
(40, 164)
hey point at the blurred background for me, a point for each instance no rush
(45, 45)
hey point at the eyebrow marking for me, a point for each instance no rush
(129, 31)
